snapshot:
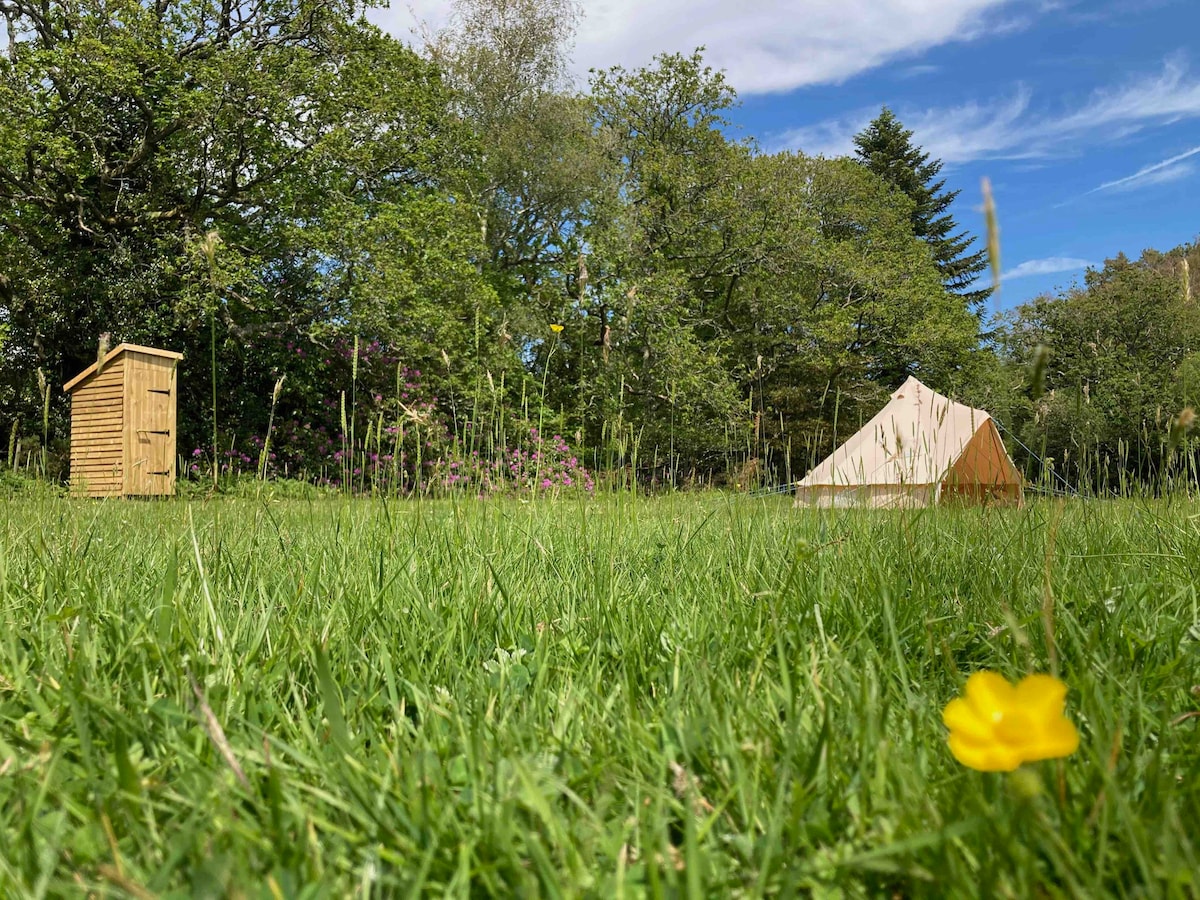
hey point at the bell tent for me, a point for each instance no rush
(922, 448)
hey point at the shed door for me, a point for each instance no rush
(152, 424)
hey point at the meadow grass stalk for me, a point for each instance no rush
(44, 388)
(353, 449)
(537, 469)
(264, 456)
(208, 249)
(12, 443)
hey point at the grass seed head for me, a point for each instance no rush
(102, 350)
(1037, 371)
(1180, 426)
(208, 248)
(993, 231)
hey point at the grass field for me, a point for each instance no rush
(699, 696)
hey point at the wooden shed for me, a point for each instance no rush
(123, 424)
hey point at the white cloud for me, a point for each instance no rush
(1010, 128)
(954, 134)
(832, 137)
(1177, 172)
(917, 71)
(1171, 169)
(765, 46)
(1048, 266)
(1172, 94)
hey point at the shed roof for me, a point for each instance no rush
(113, 354)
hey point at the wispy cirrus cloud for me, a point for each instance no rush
(1172, 169)
(1014, 128)
(766, 46)
(1050, 265)
(917, 71)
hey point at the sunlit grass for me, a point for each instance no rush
(609, 698)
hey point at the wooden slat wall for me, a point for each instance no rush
(123, 426)
(97, 441)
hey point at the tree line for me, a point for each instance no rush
(1098, 382)
(447, 248)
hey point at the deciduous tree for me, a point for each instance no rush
(319, 150)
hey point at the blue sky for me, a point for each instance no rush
(1085, 114)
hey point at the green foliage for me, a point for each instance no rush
(885, 147)
(539, 165)
(1122, 363)
(15, 483)
(320, 151)
(843, 299)
(705, 696)
(232, 180)
(790, 279)
(653, 242)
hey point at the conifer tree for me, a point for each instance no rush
(886, 148)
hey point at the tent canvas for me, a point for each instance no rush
(920, 449)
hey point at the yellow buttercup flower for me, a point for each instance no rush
(556, 328)
(995, 726)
